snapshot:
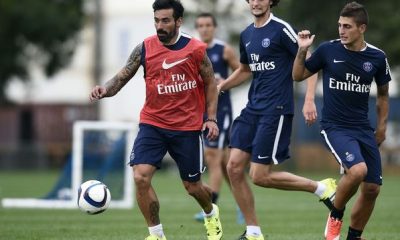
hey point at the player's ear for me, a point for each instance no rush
(179, 22)
(363, 28)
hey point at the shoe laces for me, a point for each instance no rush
(212, 226)
(334, 226)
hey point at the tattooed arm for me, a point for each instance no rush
(207, 74)
(382, 110)
(113, 86)
(299, 71)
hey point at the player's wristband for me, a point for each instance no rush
(211, 120)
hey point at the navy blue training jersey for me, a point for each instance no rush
(270, 51)
(215, 53)
(347, 78)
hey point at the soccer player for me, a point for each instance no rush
(180, 85)
(261, 134)
(349, 66)
(223, 58)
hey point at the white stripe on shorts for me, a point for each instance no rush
(333, 151)
(201, 154)
(221, 140)
(277, 137)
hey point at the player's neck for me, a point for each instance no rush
(174, 40)
(356, 46)
(262, 20)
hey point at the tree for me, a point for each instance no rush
(44, 31)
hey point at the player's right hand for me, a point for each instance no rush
(212, 130)
(305, 39)
(97, 93)
(219, 86)
(310, 112)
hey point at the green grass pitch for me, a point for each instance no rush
(283, 215)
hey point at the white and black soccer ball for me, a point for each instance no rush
(93, 197)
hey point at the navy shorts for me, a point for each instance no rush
(224, 119)
(351, 146)
(265, 137)
(185, 147)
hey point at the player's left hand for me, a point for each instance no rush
(212, 128)
(310, 112)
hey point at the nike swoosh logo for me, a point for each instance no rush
(262, 157)
(337, 61)
(193, 175)
(170, 65)
(247, 44)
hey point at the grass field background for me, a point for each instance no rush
(283, 215)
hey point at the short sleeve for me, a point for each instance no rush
(243, 52)
(316, 61)
(382, 76)
(289, 40)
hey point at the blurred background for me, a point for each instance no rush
(52, 52)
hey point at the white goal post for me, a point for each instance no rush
(79, 127)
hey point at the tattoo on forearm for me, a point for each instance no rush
(126, 73)
(207, 73)
(301, 54)
(382, 104)
(383, 91)
(154, 208)
(206, 69)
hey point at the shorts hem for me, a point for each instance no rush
(133, 163)
(270, 161)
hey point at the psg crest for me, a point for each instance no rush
(265, 42)
(367, 66)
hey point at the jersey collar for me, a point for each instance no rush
(362, 50)
(266, 22)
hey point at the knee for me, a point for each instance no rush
(141, 180)
(235, 170)
(358, 172)
(371, 191)
(263, 180)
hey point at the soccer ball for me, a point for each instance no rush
(93, 197)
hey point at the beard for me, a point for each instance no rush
(165, 37)
(259, 15)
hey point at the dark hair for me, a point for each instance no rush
(176, 5)
(206, 14)
(274, 2)
(356, 11)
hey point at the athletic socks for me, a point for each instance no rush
(354, 234)
(157, 230)
(254, 231)
(320, 189)
(207, 215)
(337, 214)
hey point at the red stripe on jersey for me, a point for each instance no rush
(175, 97)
